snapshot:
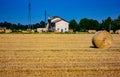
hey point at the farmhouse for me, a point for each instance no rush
(59, 24)
(56, 24)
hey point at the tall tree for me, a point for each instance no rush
(84, 24)
(116, 23)
(88, 24)
(42, 24)
(93, 24)
(73, 25)
(107, 24)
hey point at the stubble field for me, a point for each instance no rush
(57, 55)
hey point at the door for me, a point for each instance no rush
(61, 30)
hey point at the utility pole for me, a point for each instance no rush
(29, 15)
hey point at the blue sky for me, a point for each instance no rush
(16, 11)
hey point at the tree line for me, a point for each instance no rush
(15, 27)
(86, 24)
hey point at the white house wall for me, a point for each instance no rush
(62, 25)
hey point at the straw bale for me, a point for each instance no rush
(56, 31)
(117, 31)
(1, 31)
(8, 31)
(23, 31)
(40, 31)
(33, 31)
(71, 30)
(102, 39)
(91, 31)
(111, 31)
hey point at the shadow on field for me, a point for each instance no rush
(92, 47)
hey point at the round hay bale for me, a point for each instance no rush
(71, 30)
(19, 30)
(8, 31)
(117, 31)
(40, 31)
(56, 31)
(102, 39)
(25, 31)
(33, 31)
(111, 31)
(1, 31)
(91, 31)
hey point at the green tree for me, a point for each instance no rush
(93, 24)
(88, 24)
(42, 24)
(116, 24)
(7, 25)
(107, 24)
(84, 24)
(73, 25)
(37, 25)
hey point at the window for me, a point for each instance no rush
(65, 28)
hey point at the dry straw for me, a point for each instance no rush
(117, 31)
(40, 31)
(8, 31)
(1, 31)
(102, 39)
(111, 31)
(33, 31)
(71, 30)
(56, 31)
(91, 31)
(25, 31)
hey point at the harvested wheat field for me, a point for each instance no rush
(57, 55)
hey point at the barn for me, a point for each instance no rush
(56, 24)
